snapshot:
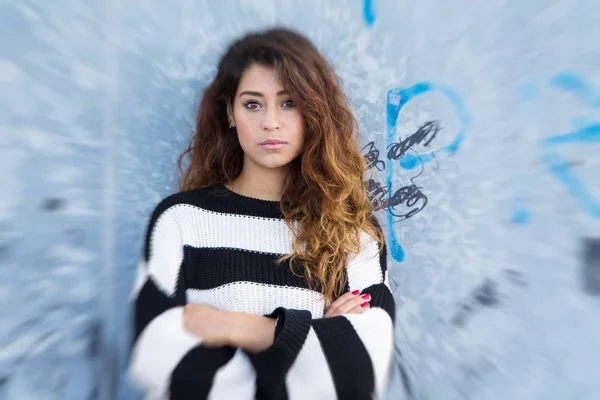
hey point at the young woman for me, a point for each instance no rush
(265, 276)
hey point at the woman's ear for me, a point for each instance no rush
(230, 117)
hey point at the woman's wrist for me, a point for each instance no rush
(250, 332)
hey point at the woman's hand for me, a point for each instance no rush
(209, 324)
(348, 303)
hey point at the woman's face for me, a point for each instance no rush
(269, 126)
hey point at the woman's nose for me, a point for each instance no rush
(271, 121)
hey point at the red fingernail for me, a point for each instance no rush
(365, 304)
(356, 292)
(366, 296)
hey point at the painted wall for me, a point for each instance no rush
(481, 122)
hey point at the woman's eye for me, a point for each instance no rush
(288, 103)
(251, 105)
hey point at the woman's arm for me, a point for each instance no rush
(166, 359)
(250, 332)
(345, 356)
(219, 328)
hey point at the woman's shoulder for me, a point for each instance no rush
(214, 200)
(204, 198)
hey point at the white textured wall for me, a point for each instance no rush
(498, 276)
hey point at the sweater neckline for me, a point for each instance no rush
(271, 208)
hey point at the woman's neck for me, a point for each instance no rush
(264, 184)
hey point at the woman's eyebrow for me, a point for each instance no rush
(259, 94)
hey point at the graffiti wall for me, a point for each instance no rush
(480, 124)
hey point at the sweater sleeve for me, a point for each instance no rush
(344, 357)
(165, 358)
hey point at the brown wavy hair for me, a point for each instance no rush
(324, 192)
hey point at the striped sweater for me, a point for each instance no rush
(215, 247)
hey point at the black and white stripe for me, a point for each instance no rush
(215, 247)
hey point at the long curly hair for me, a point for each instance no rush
(324, 196)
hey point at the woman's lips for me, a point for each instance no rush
(273, 144)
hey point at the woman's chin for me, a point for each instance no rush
(277, 163)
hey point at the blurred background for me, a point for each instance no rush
(481, 125)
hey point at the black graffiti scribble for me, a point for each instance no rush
(515, 277)
(591, 266)
(409, 196)
(372, 157)
(425, 134)
(376, 193)
(53, 204)
(486, 295)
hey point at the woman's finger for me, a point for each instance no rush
(354, 302)
(339, 302)
(358, 301)
(359, 309)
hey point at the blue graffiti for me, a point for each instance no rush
(586, 132)
(520, 213)
(397, 98)
(557, 166)
(577, 85)
(369, 12)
